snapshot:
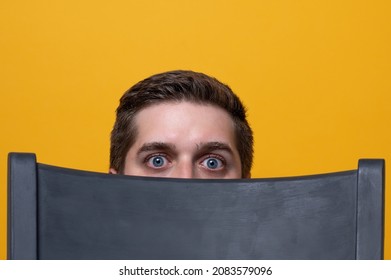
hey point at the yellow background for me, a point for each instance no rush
(315, 76)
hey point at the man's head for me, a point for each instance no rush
(181, 124)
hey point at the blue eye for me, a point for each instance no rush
(156, 161)
(213, 163)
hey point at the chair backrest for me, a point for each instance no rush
(59, 213)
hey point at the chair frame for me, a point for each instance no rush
(23, 213)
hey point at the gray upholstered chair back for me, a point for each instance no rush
(58, 213)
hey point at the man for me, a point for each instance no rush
(181, 124)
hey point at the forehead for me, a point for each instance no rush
(184, 122)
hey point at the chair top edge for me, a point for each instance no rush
(83, 173)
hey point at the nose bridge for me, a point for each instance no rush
(184, 169)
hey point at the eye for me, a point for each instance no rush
(157, 161)
(213, 163)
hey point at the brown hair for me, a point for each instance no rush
(178, 86)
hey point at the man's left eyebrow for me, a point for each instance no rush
(213, 146)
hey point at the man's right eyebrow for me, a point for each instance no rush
(156, 146)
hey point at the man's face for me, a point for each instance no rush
(184, 140)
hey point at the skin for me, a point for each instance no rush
(183, 140)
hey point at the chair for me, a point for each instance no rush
(59, 213)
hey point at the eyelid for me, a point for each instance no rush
(213, 155)
(149, 156)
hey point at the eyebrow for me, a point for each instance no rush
(153, 146)
(202, 147)
(213, 146)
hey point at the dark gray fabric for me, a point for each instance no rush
(86, 215)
